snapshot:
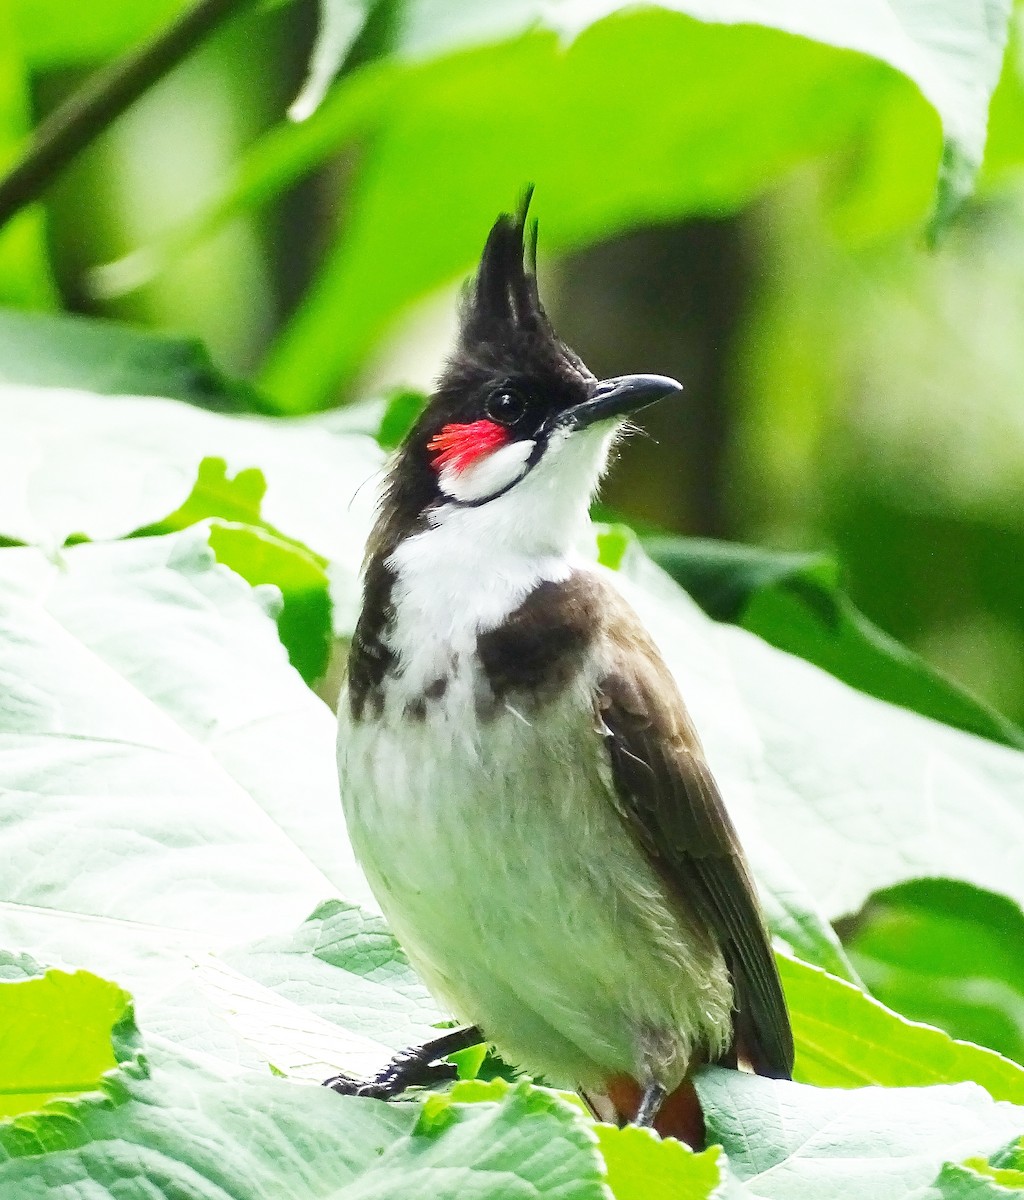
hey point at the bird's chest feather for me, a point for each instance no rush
(480, 803)
(480, 761)
(468, 768)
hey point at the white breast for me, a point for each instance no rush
(497, 855)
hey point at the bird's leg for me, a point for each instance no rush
(651, 1101)
(415, 1067)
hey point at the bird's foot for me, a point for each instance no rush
(650, 1105)
(419, 1066)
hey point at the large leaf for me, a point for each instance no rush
(946, 953)
(244, 541)
(50, 350)
(796, 602)
(51, 37)
(851, 793)
(170, 816)
(844, 1038)
(167, 788)
(60, 1034)
(93, 1107)
(620, 116)
(76, 463)
(787, 1141)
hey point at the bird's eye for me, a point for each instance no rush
(505, 406)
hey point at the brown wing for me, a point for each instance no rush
(670, 800)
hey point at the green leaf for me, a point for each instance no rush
(14, 967)
(641, 1166)
(530, 1143)
(344, 965)
(24, 268)
(399, 417)
(171, 781)
(1007, 1177)
(216, 494)
(849, 794)
(795, 602)
(261, 554)
(958, 1182)
(73, 463)
(1011, 1157)
(174, 1123)
(58, 1035)
(949, 954)
(596, 98)
(68, 351)
(845, 1038)
(101, 29)
(788, 1141)
(188, 1132)
(304, 621)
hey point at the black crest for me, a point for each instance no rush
(503, 323)
(502, 299)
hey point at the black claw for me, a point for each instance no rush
(416, 1067)
(344, 1085)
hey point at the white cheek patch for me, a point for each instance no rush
(488, 475)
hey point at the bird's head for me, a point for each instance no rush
(518, 430)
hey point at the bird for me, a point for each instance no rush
(522, 784)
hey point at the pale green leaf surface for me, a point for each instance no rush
(242, 540)
(67, 350)
(145, 689)
(178, 1129)
(72, 462)
(167, 788)
(15, 966)
(851, 793)
(343, 964)
(530, 1144)
(788, 1141)
(304, 622)
(173, 1127)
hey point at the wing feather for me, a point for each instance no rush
(669, 799)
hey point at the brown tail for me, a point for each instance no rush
(680, 1116)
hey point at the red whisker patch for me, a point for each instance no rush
(460, 446)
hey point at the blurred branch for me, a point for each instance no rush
(101, 100)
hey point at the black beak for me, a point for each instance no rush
(619, 397)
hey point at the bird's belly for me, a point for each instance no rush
(508, 876)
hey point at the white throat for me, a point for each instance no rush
(475, 565)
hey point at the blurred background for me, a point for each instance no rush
(846, 389)
(740, 208)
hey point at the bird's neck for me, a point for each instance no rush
(459, 579)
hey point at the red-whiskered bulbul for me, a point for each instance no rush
(522, 783)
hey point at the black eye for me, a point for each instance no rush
(505, 406)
